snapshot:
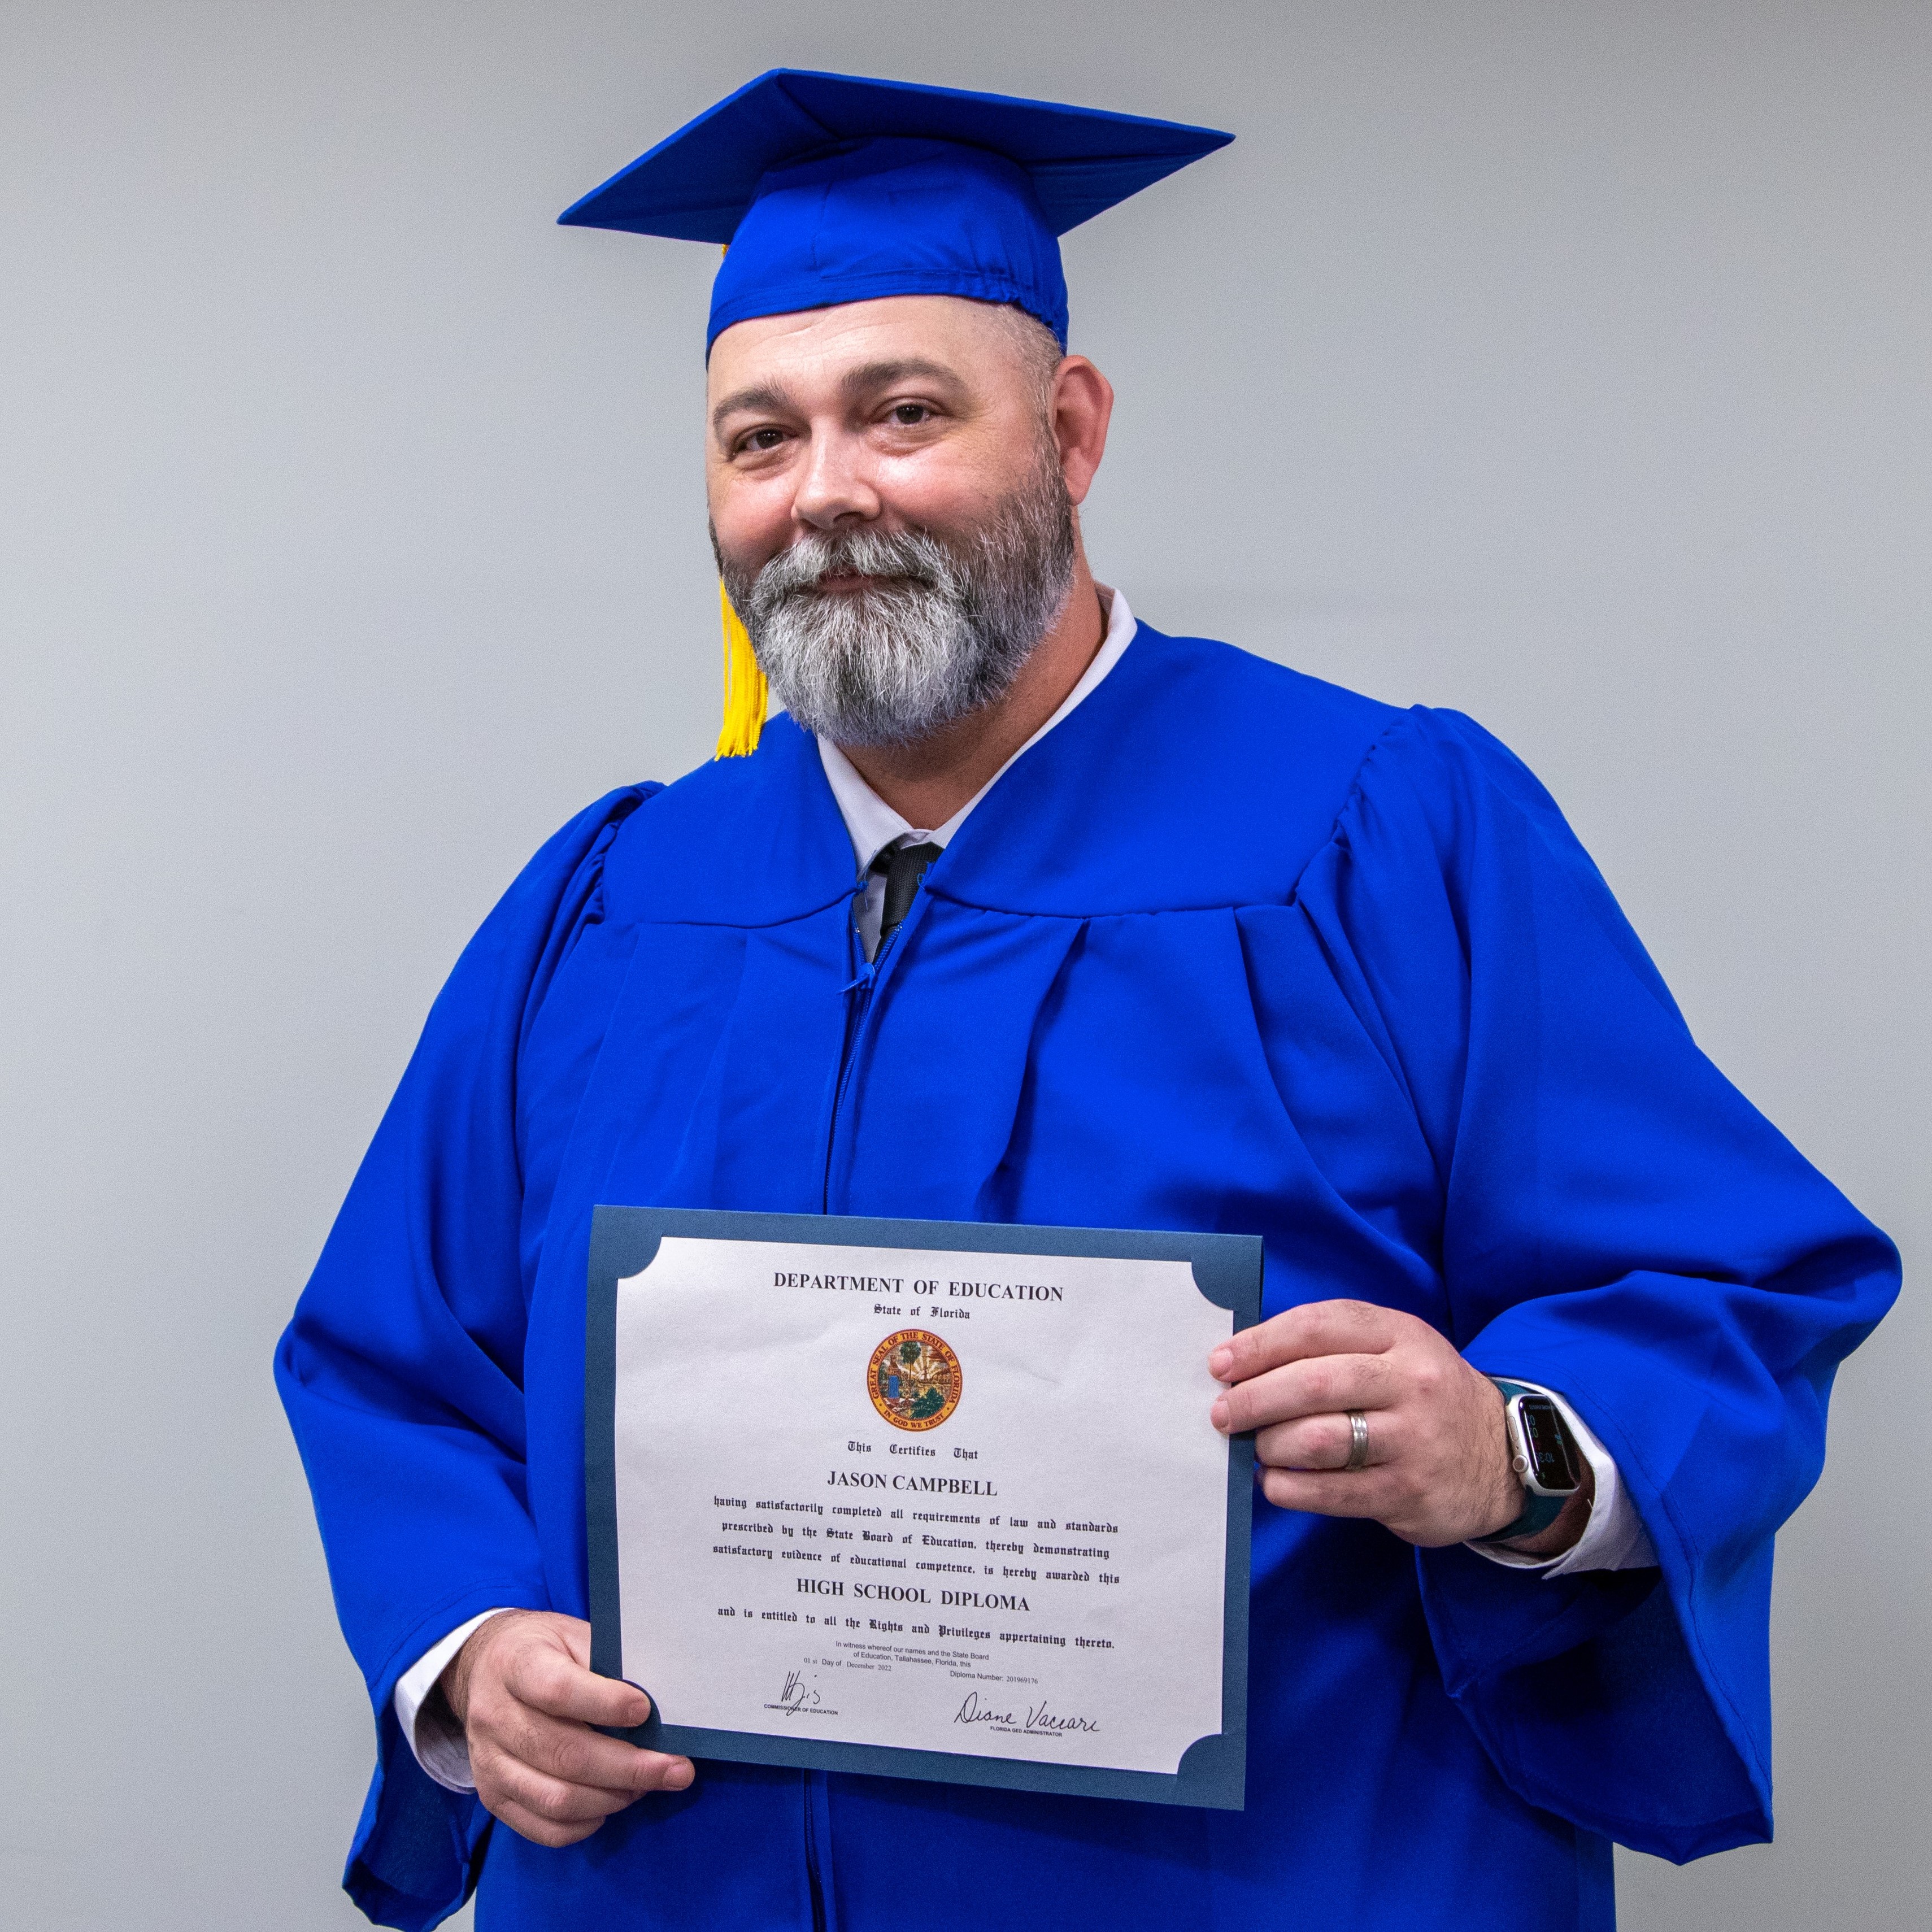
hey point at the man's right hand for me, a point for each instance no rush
(524, 1691)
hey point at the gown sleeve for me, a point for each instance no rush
(401, 1370)
(1619, 1224)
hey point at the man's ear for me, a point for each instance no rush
(1080, 408)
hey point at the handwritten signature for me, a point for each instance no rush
(797, 1696)
(1038, 1721)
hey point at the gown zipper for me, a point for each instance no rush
(864, 983)
(856, 1012)
(812, 1790)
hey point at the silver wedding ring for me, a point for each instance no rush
(1358, 1441)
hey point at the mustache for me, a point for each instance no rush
(895, 559)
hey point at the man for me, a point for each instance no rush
(1023, 911)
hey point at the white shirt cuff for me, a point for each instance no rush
(438, 1743)
(1614, 1538)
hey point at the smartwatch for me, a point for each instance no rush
(1544, 1455)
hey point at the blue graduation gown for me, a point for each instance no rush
(1229, 949)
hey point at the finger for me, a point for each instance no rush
(503, 1772)
(666, 1774)
(548, 1678)
(1323, 1442)
(1323, 1385)
(552, 1799)
(538, 1831)
(1357, 1493)
(574, 1752)
(1315, 1328)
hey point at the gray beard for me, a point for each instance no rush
(944, 631)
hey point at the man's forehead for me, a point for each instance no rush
(947, 335)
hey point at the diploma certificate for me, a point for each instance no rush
(926, 1499)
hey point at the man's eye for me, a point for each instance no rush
(909, 415)
(763, 439)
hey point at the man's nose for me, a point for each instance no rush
(836, 487)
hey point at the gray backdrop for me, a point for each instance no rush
(1566, 363)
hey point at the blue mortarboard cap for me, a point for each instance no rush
(832, 188)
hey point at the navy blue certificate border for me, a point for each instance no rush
(1227, 1268)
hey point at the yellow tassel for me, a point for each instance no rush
(744, 692)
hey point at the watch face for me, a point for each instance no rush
(1551, 1462)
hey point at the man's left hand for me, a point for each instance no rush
(1438, 1469)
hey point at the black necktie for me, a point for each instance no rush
(901, 867)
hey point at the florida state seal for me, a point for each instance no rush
(914, 1379)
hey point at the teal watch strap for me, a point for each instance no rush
(1538, 1512)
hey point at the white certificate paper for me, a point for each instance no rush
(873, 1502)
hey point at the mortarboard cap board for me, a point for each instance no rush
(829, 187)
